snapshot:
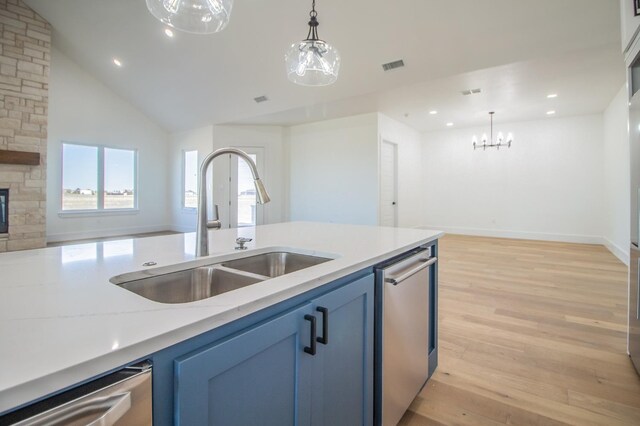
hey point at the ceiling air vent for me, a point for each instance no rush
(393, 65)
(261, 99)
(471, 92)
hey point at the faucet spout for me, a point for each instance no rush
(203, 225)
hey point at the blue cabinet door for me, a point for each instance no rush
(259, 377)
(342, 392)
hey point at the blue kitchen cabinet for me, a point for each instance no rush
(342, 385)
(275, 374)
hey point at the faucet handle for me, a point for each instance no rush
(241, 241)
(215, 222)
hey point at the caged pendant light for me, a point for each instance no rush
(192, 16)
(312, 62)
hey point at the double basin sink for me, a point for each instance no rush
(211, 280)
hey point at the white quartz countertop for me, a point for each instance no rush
(62, 321)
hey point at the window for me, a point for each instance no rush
(98, 178)
(190, 179)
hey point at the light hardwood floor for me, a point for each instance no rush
(531, 333)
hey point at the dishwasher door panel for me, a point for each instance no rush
(123, 398)
(405, 334)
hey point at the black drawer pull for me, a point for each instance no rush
(312, 320)
(325, 325)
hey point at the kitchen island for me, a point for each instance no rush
(63, 322)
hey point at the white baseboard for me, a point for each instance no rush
(522, 235)
(618, 252)
(100, 233)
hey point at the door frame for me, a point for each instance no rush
(382, 140)
(259, 152)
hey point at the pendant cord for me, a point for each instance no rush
(313, 23)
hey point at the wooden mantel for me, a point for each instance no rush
(19, 157)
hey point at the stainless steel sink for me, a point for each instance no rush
(190, 285)
(211, 280)
(275, 264)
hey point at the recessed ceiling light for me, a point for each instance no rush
(551, 112)
(117, 62)
(471, 92)
(433, 112)
(552, 95)
(168, 32)
(449, 124)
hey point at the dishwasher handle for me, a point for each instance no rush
(426, 263)
(113, 408)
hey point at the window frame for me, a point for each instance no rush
(183, 180)
(100, 210)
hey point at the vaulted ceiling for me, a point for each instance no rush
(192, 80)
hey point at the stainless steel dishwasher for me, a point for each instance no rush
(402, 349)
(122, 398)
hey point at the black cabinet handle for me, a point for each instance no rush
(325, 325)
(312, 321)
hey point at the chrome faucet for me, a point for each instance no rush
(204, 224)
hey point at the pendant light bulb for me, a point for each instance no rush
(312, 62)
(192, 16)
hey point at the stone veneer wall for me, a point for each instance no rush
(25, 48)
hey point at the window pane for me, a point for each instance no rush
(79, 177)
(246, 194)
(119, 178)
(191, 179)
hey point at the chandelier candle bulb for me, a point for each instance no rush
(500, 141)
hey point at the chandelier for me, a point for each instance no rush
(500, 141)
(312, 62)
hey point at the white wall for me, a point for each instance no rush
(548, 186)
(83, 110)
(409, 143)
(616, 176)
(333, 174)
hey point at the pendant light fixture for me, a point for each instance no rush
(192, 16)
(312, 62)
(499, 142)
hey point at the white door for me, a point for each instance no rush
(388, 184)
(243, 207)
